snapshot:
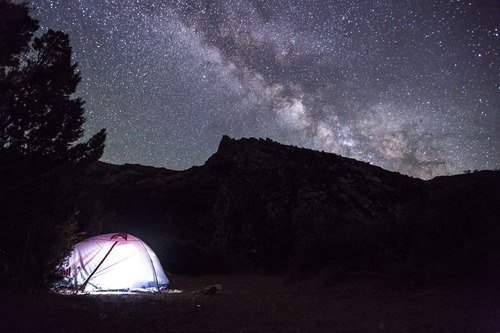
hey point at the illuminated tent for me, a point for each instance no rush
(114, 262)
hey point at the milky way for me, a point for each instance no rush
(411, 86)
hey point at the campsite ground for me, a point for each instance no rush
(257, 303)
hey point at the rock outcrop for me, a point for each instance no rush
(258, 204)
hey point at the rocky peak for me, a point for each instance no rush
(259, 203)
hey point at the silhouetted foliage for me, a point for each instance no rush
(41, 160)
(16, 30)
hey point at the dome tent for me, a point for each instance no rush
(114, 262)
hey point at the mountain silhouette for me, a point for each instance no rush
(260, 205)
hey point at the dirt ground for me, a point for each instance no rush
(257, 303)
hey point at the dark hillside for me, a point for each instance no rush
(258, 204)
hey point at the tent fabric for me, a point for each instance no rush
(114, 262)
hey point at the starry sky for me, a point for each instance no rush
(411, 86)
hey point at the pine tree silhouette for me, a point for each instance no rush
(42, 161)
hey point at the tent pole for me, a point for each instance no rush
(152, 267)
(95, 270)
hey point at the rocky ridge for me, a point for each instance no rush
(258, 204)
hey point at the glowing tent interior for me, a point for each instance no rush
(114, 262)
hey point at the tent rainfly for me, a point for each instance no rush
(114, 262)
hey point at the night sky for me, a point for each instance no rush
(411, 86)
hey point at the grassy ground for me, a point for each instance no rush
(256, 303)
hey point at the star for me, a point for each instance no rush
(411, 87)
